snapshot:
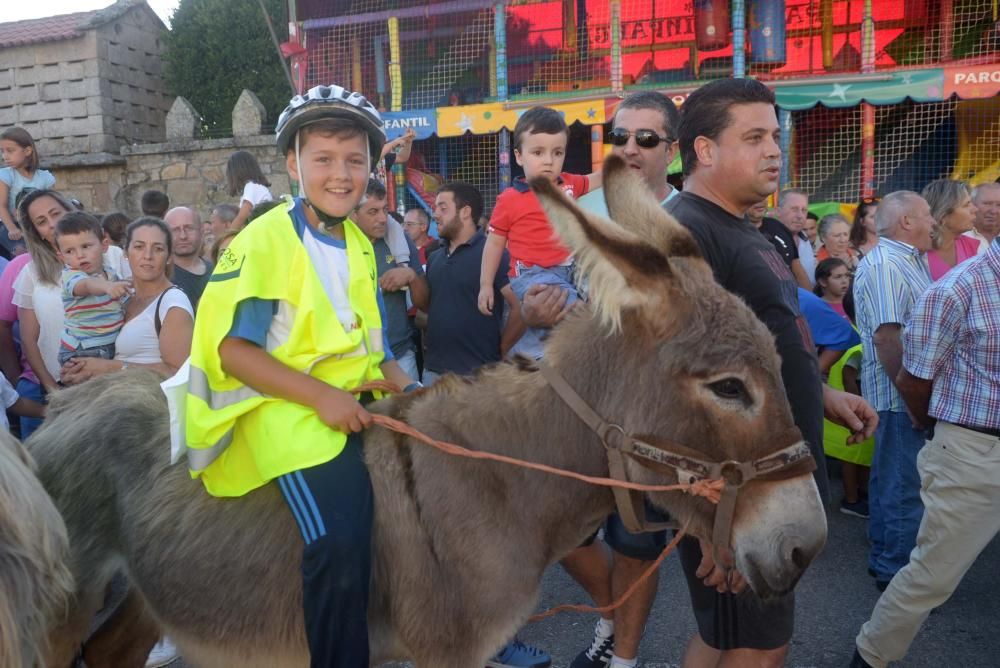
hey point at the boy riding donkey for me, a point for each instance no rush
(290, 321)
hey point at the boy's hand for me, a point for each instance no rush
(118, 289)
(341, 411)
(486, 300)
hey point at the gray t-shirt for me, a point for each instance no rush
(398, 328)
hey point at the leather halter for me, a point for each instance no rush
(788, 462)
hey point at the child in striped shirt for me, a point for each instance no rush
(92, 293)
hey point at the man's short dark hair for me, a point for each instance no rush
(706, 112)
(538, 120)
(79, 222)
(155, 203)
(375, 190)
(114, 225)
(650, 99)
(465, 194)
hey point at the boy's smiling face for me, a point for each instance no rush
(83, 251)
(334, 170)
(541, 154)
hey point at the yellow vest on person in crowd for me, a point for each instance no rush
(834, 436)
(237, 438)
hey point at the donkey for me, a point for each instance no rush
(35, 580)
(459, 546)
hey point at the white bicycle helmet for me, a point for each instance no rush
(322, 102)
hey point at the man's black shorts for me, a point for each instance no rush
(735, 621)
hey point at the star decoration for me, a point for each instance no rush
(464, 123)
(591, 112)
(839, 91)
(907, 78)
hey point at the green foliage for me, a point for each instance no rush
(216, 48)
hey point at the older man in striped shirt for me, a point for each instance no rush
(889, 281)
(951, 375)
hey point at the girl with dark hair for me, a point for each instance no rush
(245, 178)
(833, 284)
(19, 174)
(863, 235)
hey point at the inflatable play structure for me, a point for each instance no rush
(873, 95)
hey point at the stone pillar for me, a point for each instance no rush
(183, 120)
(248, 115)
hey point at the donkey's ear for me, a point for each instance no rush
(631, 205)
(623, 270)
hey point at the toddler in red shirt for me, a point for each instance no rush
(519, 224)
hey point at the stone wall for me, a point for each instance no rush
(193, 172)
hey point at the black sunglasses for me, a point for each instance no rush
(644, 138)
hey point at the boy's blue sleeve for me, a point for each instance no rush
(385, 329)
(253, 319)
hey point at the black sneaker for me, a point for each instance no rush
(598, 655)
(857, 509)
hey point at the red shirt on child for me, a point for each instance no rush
(518, 215)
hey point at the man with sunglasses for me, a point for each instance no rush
(643, 133)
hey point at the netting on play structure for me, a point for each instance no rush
(917, 77)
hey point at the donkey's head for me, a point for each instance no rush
(672, 357)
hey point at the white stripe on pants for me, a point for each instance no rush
(960, 488)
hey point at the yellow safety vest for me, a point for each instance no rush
(237, 438)
(834, 436)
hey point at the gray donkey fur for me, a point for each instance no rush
(460, 546)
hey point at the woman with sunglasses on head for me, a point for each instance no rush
(952, 208)
(863, 235)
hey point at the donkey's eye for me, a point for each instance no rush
(729, 388)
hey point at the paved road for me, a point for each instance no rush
(834, 599)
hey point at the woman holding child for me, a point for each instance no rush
(158, 317)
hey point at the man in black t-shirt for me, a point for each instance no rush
(773, 231)
(729, 148)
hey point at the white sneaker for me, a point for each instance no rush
(163, 653)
